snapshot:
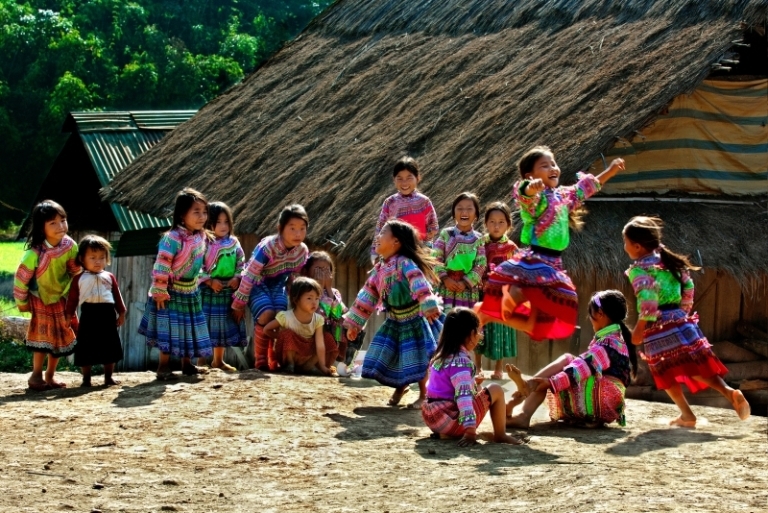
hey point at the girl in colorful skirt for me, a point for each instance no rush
(301, 344)
(219, 278)
(460, 255)
(320, 267)
(102, 311)
(399, 284)
(173, 319)
(499, 341)
(262, 286)
(41, 285)
(455, 406)
(588, 389)
(673, 345)
(531, 291)
(408, 204)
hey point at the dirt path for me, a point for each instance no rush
(254, 442)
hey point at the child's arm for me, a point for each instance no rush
(527, 195)
(433, 226)
(119, 304)
(420, 289)
(616, 166)
(686, 292)
(234, 283)
(363, 307)
(24, 274)
(252, 275)
(475, 277)
(320, 348)
(380, 222)
(272, 328)
(73, 299)
(438, 253)
(73, 268)
(464, 393)
(647, 293)
(592, 362)
(161, 271)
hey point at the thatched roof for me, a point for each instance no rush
(465, 87)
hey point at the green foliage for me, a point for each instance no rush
(14, 357)
(63, 55)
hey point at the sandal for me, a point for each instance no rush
(496, 376)
(41, 386)
(397, 397)
(740, 404)
(193, 370)
(679, 422)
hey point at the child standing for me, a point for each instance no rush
(301, 344)
(460, 254)
(674, 347)
(398, 283)
(102, 310)
(262, 286)
(408, 204)
(219, 278)
(455, 406)
(531, 291)
(499, 341)
(173, 319)
(41, 285)
(587, 389)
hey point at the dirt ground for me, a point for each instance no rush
(268, 443)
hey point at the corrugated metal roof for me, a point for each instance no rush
(115, 139)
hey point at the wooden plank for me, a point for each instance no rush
(705, 301)
(585, 288)
(340, 277)
(727, 307)
(754, 308)
(522, 361)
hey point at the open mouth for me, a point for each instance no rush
(464, 219)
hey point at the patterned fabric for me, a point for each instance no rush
(223, 330)
(414, 209)
(96, 288)
(270, 294)
(48, 330)
(46, 272)
(224, 259)
(98, 342)
(453, 378)
(304, 348)
(545, 215)
(496, 252)
(499, 341)
(273, 261)
(460, 256)
(596, 399)
(180, 329)
(332, 308)
(442, 417)
(654, 285)
(179, 258)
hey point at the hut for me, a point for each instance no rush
(466, 87)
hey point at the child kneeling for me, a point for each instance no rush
(454, 405)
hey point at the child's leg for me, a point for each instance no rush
(218, 360)
(534, 399)
(50, 370)
(422, 394)
(86, 372)
(109, 368)
(263, 351)
(736, 398)
(498, 416)
(38, 359)
(397, 395)
(498, 369)
(479, 363)
(686, 418)
(164, 365)
(556, 366)
(290, 361)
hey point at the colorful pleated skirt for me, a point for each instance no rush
(594, 400)
(270, 294)
(676, 350)
(223, 330)
(498, 342)
(400, 350)
(466, 298)
(179, 329)
(545, 285)
(98, 342)
(303, 348)
(48, 330)
(442, 416)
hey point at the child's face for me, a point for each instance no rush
(598, 319)
(55, 229)
(195, 217)
(406, 182)
(496, 224)
(465, 214)
(547, 170)
(294, 232)
(221, 228)
(308, 302)
(95, 260)
(633, 249)
(320, 271)
(386, 243)
(473, 340)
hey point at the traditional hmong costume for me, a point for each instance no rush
(538, 270)
(454, 401)
(400, 351)
(332, 309)
(461, 256)
(42, 282)
(263, 287)
(98, 296)
(179, 329)
(299, 338)
(673, 345)
(591, 387)
(499, 341)
(224, 259)
(414, 209)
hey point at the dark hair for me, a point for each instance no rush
(525, 165)
(294, 211)
(411, 247)
(94, 243)
(41, 214)
(406, 163)
(317, 256)
(300, 286)
(646, 231)
(215, 209)
(184, 201)
(460, 323)
(499, 206)
(466, 196)
(614, 305)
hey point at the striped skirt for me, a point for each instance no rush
(498, 342)
(442, 417)
(270, 294)
(179, 329)
(545, 284)
(222, 327)
(304, 349)
(676, 350)
(48, 331)
(593, 400)
(466, 298)
(400, 350)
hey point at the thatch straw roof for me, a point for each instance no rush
(465, 87)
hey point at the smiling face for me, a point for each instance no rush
(95, 260)
(308, 302)
(496, 224)
(55, 229)
(221, 228)
(386, 243)
(294, 232)
(406, 182)
(546, 169)
(464, 214)
(195, 217)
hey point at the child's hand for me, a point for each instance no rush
(234, 283)
(160, 303)
(120, 319)
(432, 314)
(216, 285)
(617, 165)
(469, 438)
(479, 379)
(534, 187)
(352, 333)
(451, 285)
(237, 315)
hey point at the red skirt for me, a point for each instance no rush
(48, 332)
(442, 416)
(304, 349)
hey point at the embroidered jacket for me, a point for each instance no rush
(454, 379)
(88, 287)
(415, 209)
(179, 259)
(497, 252)
(459, 251)
(655, 285)
(224, 259)
(46, 272)
(332, 309)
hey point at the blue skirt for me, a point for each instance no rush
(180, 328)
(222, 327)
(270, 294)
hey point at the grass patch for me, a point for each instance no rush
(10, 256)
(8, 308)
(14, 357)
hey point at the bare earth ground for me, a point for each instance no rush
(256, 442)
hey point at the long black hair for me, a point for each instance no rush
(411, 247)
(41, 214)
(459, 325)
(184, 201)
(646, 231)
(614, 305)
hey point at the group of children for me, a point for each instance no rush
(450, 296)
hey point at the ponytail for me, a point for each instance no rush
(614, 305)
(675, 262)
(646, 231)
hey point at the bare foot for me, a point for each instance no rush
(517, 398)
(223, 366)
(508, 439)
(109, 381)
(518, 421)
(680, 422)
(397, 396)
(86, 382)
(56, 384)
(517, 376)
(740, 405)
(415, 405)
